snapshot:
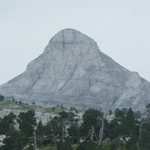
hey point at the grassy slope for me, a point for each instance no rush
(25, 107)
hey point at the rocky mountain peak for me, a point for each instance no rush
(71, 36)
(73, 71)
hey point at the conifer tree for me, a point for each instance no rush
(15, 140)
(2, 98)
(64, 145)
(130, 119)
(110, 112)
(145, 140)
(27, 122)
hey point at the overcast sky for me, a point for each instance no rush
(121, 29)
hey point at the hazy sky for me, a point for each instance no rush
(121, 28)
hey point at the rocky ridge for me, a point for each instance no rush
(44, 114)
(74, 72)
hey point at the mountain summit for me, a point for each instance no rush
(73, 71)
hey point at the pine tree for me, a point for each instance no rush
(15, 140)
(130, 119)
(145, 140)
(73, 132)
(7, 122)
(27, 121)
(113, 146)
(125, 110)
(62, 106)
(40, 132)
(2, 98)
(116, 110)
(64, 146)
(110, 112)
(131, 144)
(87, 145)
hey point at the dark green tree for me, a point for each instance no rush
(54, 128)
(40, 131)
(73, 133)
(110, 112)
(64, 146)
(15, 140)
(63, 114)
(93, 112)
(27, 122)
(7, 122)
(132, 143)
(119, 114)
(116, 110)
(125, 110)
(145, 140)
(2, 98)
(137, 115)
(113, 146)
(88, 122)
(62, 106)
(114, 129)
(31, 147)
(130, 120)
(87, 145)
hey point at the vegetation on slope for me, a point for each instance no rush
(67, 131)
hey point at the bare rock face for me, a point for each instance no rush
(73, 71)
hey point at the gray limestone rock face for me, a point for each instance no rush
(74, 72)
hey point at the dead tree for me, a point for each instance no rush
(35, 145)
(91, 133)
(101, 123)
(143, 121)
(64, 122)
(141, 125)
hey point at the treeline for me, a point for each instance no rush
(67, 129)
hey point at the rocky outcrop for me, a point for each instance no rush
(73, 71)
(40, 116)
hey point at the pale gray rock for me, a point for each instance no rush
(40, 116)
(74, 72)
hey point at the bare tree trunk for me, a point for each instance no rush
(63, 128)
(55, 140)
(137, 145)
(95, 135)
(140, 130)
(118, 139)
(35, 145)
(101, 133)
(72, 139)
(141, 124)
(92, 132)
(54, 137)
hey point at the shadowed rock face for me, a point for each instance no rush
(73, 71)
